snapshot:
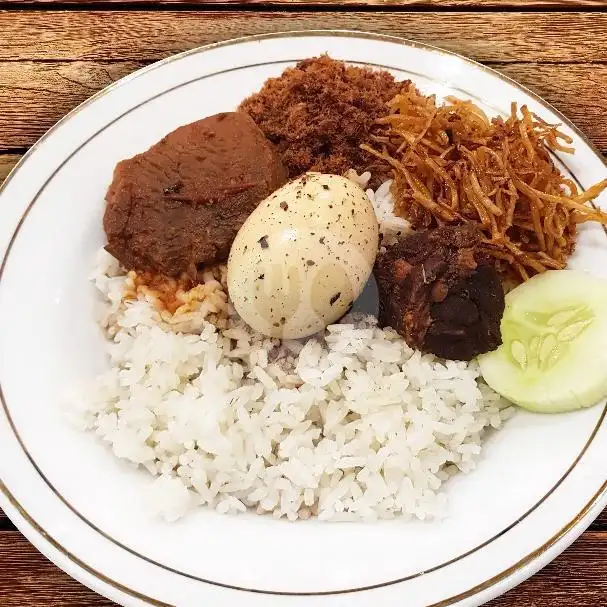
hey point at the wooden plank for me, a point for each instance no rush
(148, 36)
(7, 162)
(33, 96)
(436, 4)
(29, 580)
(601, 522)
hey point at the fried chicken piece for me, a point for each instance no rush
(439, 294)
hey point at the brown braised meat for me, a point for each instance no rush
(439, 295)
(181, 203)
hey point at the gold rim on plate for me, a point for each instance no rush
(504, 575)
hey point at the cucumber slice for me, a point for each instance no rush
(554, 352)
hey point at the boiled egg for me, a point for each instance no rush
(303, 256)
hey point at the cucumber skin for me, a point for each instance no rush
(492, 366)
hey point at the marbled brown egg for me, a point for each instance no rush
(303, 256)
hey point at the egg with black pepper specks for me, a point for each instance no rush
(303, 256)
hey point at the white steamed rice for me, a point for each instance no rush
(350, 425)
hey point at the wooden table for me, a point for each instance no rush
(53, 55)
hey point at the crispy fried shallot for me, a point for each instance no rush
(452, 164)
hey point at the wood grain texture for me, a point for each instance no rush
(52, 60)
(601, 522)
(435, 4)
(34, 96)
(148, 36)
(28, 579)
(7, 162)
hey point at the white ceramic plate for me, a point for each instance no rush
(541, 482)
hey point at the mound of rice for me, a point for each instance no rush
(349, 425)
